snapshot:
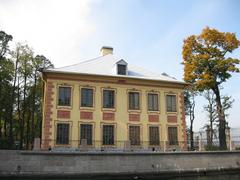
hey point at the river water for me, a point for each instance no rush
(208, 177)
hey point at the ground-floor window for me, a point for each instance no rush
(62, 133)
(108, 134)
(154, 135)
(172, 136)
(134, 135)
(86, 133)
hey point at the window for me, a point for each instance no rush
(108, 134)
(171, 103)
(134, 135)
(64, 96)
(154, 135)
(86, 133)
(152, 102)
(62, 134)
(108, 98)
(133, 100)
(86, 97)
(122, 69)
(172, 136)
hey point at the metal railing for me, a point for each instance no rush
(85, 145)
(93, 145)
(161, 146)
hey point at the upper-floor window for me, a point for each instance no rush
(86, 97)
(171, 103)
(121, 69)
(64, 96)
(133, 100)
(108, 98)
(152, 102)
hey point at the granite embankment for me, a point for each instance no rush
(85, 164)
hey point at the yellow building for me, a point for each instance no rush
(106, 103)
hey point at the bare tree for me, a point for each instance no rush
(189, 100)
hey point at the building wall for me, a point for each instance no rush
(121, 117)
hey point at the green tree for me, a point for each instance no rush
(20, 93)
(39, 62)
(22, 57)
(25, 72)
(207, 66)
(6, 67)
(4, 40)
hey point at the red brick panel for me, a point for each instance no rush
(108, 116)
(63, 114)
(172, 119)
(86, 115)
(48, 105)
(121, 81)
(153, 118)
(134, 117)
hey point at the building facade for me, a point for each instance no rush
(106, 103)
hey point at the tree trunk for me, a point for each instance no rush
(41, 107)
(0, 123)
(211, 133)
(191, 136)
(221, 117)
(28, 128)
(33, 108)
(191, 132)
(211, 111)
(5, 127)
(23, 113)
(192, 117)
(0, 109)
(18, 106)
(12, 104)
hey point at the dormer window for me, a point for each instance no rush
(121, 67)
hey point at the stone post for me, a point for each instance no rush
(36, 146)
(228, 137)
(83, 145)
(127, 145)
(209, 143)
(200, 142)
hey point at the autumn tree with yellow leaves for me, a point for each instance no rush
(207, 65)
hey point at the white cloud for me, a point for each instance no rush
(52, 27)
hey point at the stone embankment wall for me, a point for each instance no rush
(41, 163)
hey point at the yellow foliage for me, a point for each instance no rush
(204, 57)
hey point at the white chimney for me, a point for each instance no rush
(105, 50)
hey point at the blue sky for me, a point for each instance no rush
(148, 33)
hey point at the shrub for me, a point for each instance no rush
(4, 143)
(237, 148)
(212, 148)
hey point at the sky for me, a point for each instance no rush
(148, 33)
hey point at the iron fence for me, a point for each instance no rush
(93, 145)
(161, 146)
(115, 145)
